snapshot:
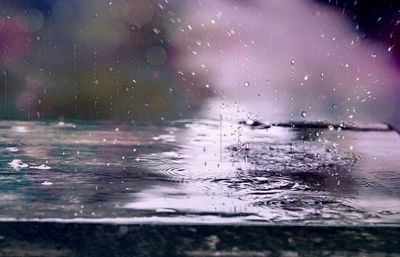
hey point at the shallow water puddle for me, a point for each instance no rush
(198, 171)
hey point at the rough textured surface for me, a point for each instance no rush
(57, 239)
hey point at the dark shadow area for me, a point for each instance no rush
(55, 239)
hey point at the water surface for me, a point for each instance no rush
(203, 170)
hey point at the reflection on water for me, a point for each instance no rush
(200, 171)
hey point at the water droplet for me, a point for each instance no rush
(303, 114)
(373, 55)
(40, 167)
(12, 149)
(246, 84)
(165, 210)
(20, 129)
(18, 164)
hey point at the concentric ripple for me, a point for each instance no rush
(200, 170)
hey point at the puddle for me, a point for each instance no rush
(199, 171)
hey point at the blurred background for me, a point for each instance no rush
(167, 59)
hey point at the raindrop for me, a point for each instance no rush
(18, 164)
(12, 149)
(165, 210)
(40, 167)
(246, 84)
(303, 114)
(292, 66)
(156, 31)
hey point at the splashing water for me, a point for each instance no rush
(190, 171)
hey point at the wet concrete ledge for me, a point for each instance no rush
(82, 239)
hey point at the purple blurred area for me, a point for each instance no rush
(164, 59)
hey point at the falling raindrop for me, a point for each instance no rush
(76, 83)
(5, 74)
(292, 66)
